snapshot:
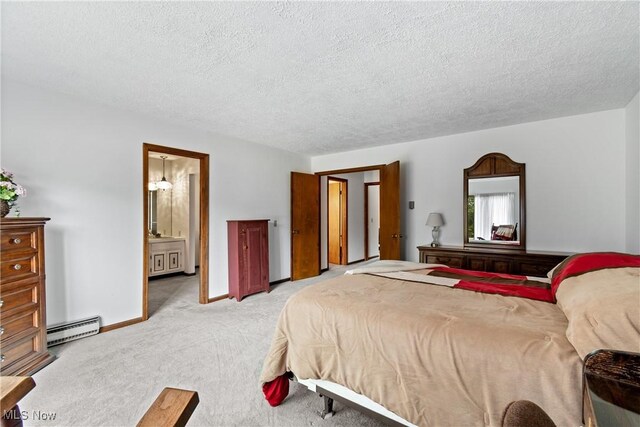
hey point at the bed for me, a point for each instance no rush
(435, 346)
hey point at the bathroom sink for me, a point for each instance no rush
(164, 239)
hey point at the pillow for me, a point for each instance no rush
(584, 263)
(600, 303)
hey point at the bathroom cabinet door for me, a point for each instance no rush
(158, 264)
(174, 260)
(166, 257)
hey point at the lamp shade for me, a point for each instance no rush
(435, 220)
(163, 184)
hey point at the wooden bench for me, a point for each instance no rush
(172, 408)
(12, 389)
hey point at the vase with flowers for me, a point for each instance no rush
(9, 192)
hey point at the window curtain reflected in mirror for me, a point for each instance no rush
(495, 208)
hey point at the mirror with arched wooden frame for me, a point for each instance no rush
(494, 204)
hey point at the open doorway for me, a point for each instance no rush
(308, 221)
(176, 221)
(337, 221)
(372, 219)
(346, 218)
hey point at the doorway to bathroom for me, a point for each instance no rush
(176, 223)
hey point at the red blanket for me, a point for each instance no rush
(277, 390)
(497, 283)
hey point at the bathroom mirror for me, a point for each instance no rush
(494, 204)
(160, 212)
(153, 212)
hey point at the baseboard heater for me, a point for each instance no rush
(65, 332)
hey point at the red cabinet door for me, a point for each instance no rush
(248, 257)
(254, 251)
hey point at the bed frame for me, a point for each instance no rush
(331, 391)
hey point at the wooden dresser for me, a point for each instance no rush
(248, 257)
(23, 325)
(524, 263)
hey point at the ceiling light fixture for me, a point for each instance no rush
(163, 184)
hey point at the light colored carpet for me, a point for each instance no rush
(216, 349)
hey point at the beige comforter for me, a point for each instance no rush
(432, 354)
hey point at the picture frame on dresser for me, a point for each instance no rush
(23, 329)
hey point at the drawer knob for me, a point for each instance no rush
(17, 266)
(1, 357)
(1, 330)
(16, 241)
(1, 302)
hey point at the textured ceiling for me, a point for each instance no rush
(325, 77)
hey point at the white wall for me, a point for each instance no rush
(182, 195)
(632, 132)
(372, 176)
(373, 216)
(51, 142)
(575, 180)
(180, 170)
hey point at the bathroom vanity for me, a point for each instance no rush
(166, 255)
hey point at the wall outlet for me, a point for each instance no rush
(275, 222)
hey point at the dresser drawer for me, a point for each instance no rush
(492, 260)
(21, 322)
(15, 266)
(448, 260)
(18, 353)
(532, 269)
(18, 298)
(477, 264)
(22, 291)
(500, 266)
(16, 240)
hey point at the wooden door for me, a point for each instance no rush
(333, 223)
(390, 211)
(337, 220)
(305, 225)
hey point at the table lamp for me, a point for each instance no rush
(435, 220)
